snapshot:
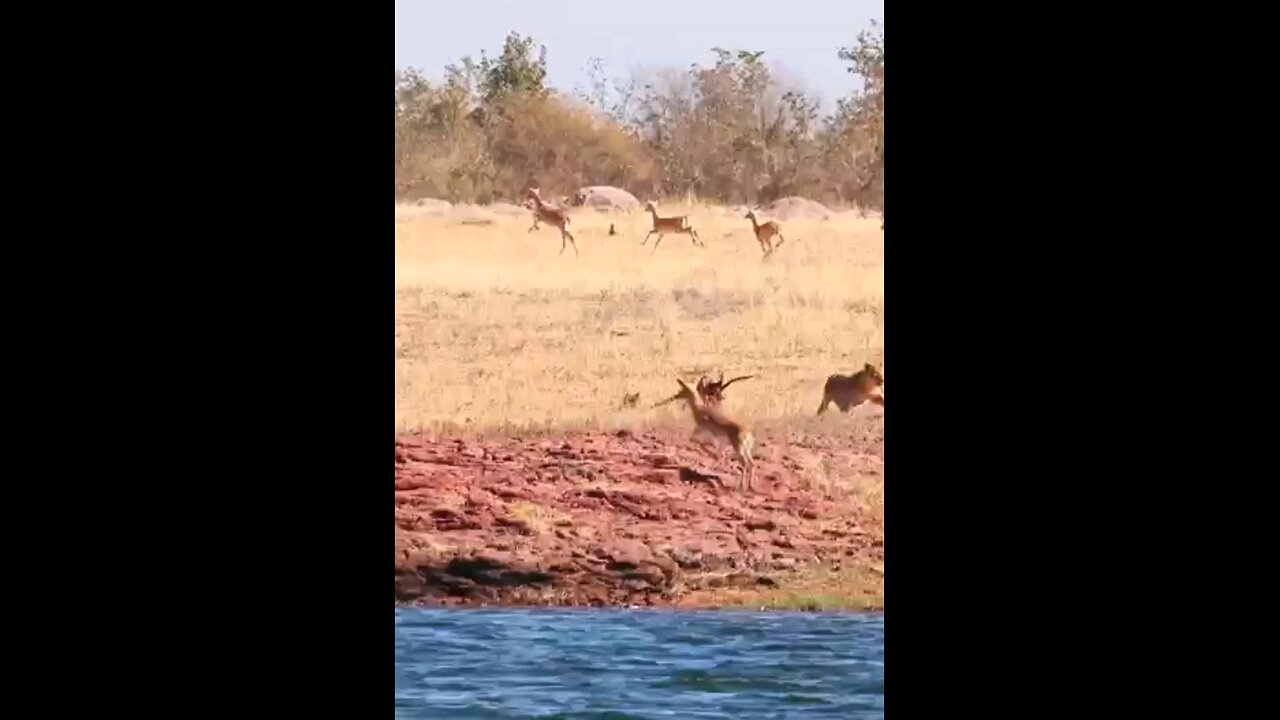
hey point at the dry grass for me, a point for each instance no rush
(857, 586)
(540, 519)
(495, 330)
(823, 589)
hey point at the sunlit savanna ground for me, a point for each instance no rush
(496, 330)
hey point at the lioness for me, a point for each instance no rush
(850, 391)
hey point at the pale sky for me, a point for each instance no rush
(801, 36)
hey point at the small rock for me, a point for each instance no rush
(783, 563)
(686, 559)
(409, 586)
(561, 565)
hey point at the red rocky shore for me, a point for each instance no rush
(622, 519)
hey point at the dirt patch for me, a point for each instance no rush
(433, 205)
(623, 519)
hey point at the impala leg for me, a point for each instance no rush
(705, 443)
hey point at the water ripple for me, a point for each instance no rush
(618, 664)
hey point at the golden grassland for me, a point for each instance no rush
(497, 331)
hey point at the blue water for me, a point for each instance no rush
(547, 663)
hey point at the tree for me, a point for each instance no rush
(862, 115)
(515, 72)
(730, 130)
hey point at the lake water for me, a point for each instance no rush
(548, 663)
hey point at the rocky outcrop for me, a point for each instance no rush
(605, 198)
(620, 518)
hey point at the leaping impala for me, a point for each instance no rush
(712, 391)
(710, 423)
(678, 225)
(552, 216)
(765, 232)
